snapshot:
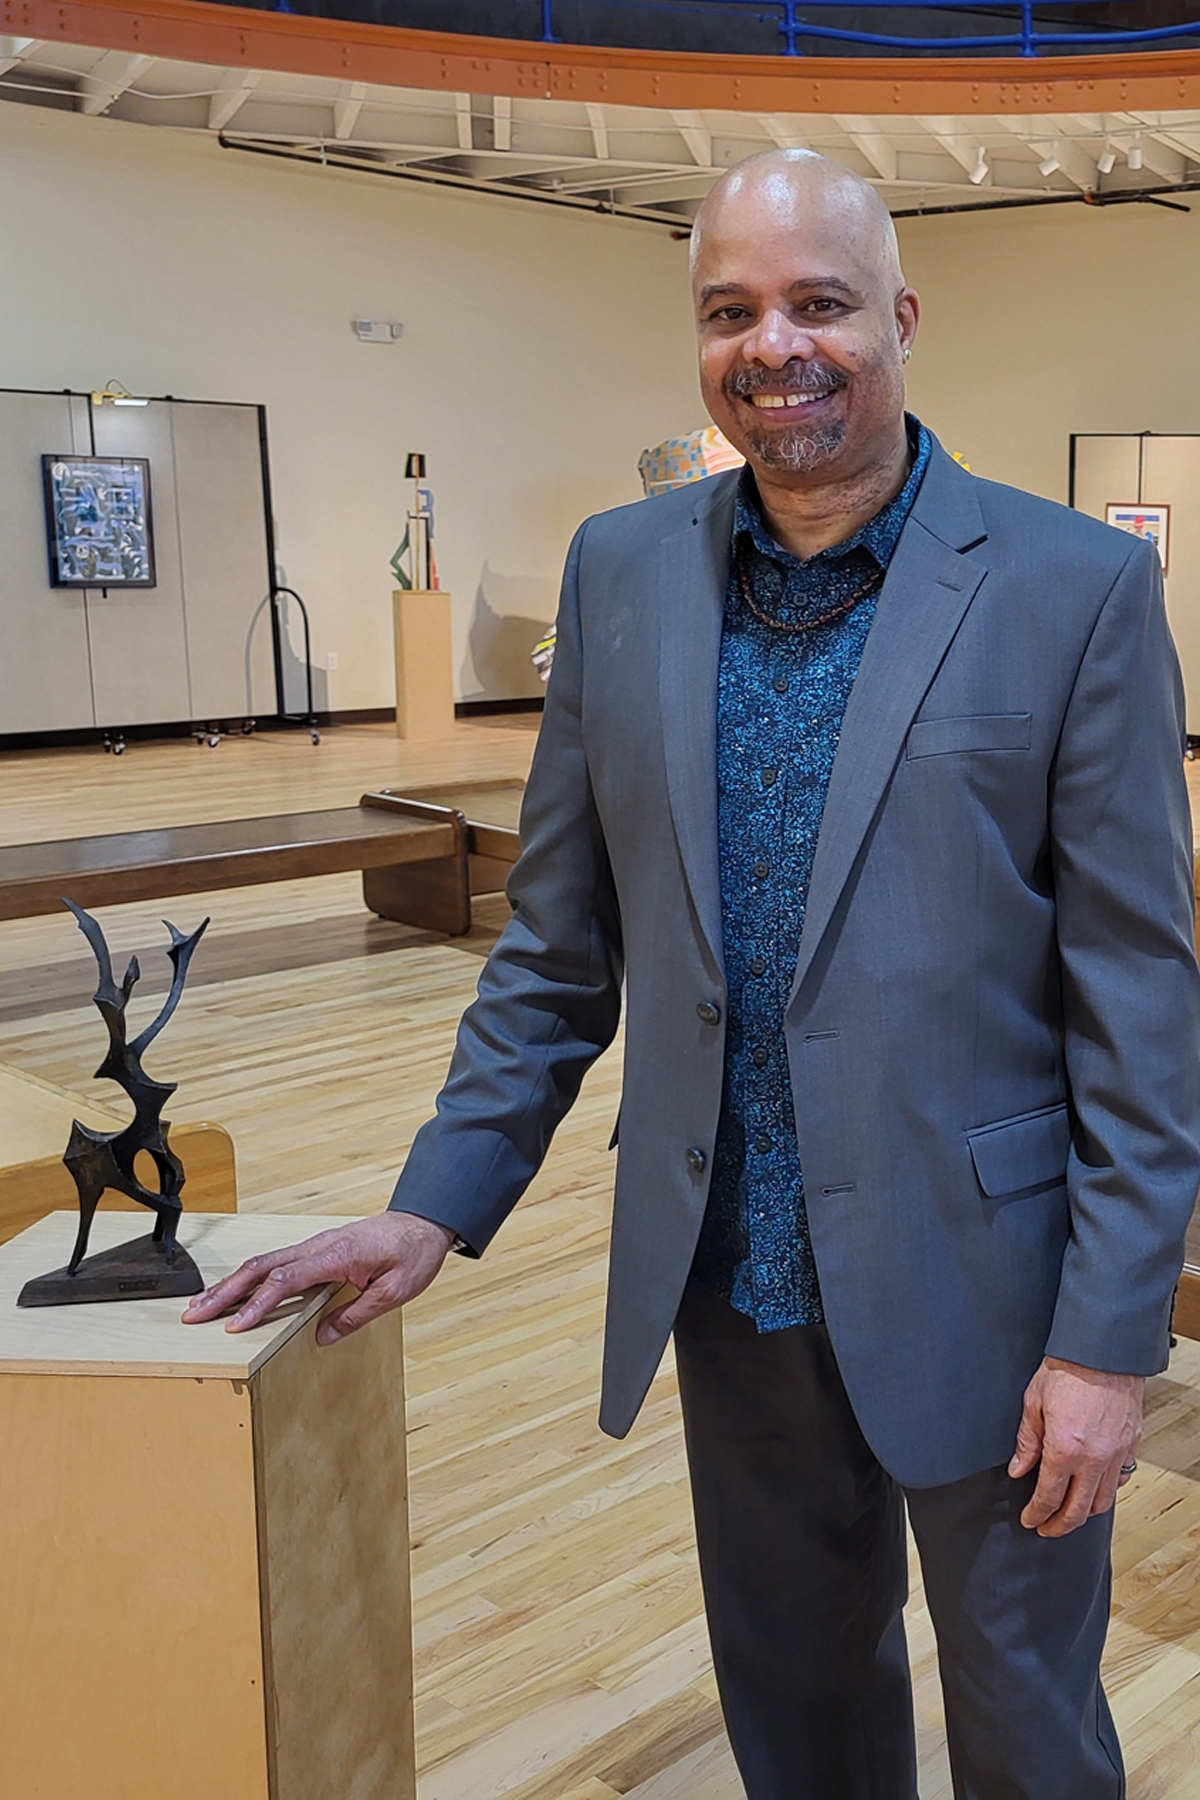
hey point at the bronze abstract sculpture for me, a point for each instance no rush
(149, 1267)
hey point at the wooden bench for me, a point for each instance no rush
(35, 1122)
(376, 837)
(487, 814)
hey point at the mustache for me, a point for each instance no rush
(804, 378)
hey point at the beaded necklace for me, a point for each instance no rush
(746, 584)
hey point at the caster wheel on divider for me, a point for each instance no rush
(248, 727)
(316, 737)
(213, 739)
(118, 748)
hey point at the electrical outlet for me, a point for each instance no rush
(331, 659)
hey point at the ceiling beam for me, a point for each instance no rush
(1180, 143)
(1052, 140)
(112, 76)
(502, 122)
(782, 131)
(347, 107)
(462, 114)
(233, 90)
(16, 50)
(688, 182)
(956, 138)
(1165, 146)
(599, 129)
(870, 142)
(696, 135)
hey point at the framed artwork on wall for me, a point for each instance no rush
(99, 524)
(1150, 522)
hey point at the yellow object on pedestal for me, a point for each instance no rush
(424, 663)
(203, 1541)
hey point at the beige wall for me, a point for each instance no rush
(1041, 322)
(542, 352)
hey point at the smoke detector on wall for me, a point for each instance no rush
(376, 331)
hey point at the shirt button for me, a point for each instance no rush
(768, 777)
(696, 1160)
(760, 1058)
(762, 869)
(762, 1145)
(780, 684)
(708, 1013)
(758, 965)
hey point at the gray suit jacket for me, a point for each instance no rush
(994, 1030)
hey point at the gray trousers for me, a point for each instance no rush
(802, 1556)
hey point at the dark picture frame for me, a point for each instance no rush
(104, 539)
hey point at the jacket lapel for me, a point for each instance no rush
(693, 573)
(930, 584)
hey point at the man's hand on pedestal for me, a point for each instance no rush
(1083, 1425)
(390, 1259)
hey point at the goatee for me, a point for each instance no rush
(797, 451)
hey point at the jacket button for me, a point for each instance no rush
(696, 1161)
(708, 1013)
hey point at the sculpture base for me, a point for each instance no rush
(138, 1270)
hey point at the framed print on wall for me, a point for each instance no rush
(99, 525)
(1150, 522)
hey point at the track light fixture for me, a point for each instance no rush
(981, 170)
(1133, 156)
(1050, 164)
(1106, 161)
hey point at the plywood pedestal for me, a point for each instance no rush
(424, 663)
(203, 1542)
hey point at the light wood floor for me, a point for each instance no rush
(561, 1652)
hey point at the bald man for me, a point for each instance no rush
(866, 776)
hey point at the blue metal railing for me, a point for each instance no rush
(1027, 39)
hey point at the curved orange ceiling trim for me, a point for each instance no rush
(232, 37)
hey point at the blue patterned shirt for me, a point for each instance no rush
(781, 701)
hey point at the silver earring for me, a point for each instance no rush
(907, 352)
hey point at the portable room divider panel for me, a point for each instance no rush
(194, 647)
(1150, 470)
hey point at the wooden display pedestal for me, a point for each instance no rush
(424, 663)
(203, 1541)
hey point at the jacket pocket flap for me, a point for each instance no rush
(982, 731)
(1021, 1153)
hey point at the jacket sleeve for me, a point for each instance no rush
(549, 997)
(1121, 846)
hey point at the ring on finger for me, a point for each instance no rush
(1128, 1468)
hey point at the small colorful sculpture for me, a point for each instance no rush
(413, 564)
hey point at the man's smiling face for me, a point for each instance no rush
(803, 318)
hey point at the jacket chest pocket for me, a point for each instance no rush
(979, 731)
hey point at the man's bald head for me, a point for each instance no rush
(793, 188)
(803, 317)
